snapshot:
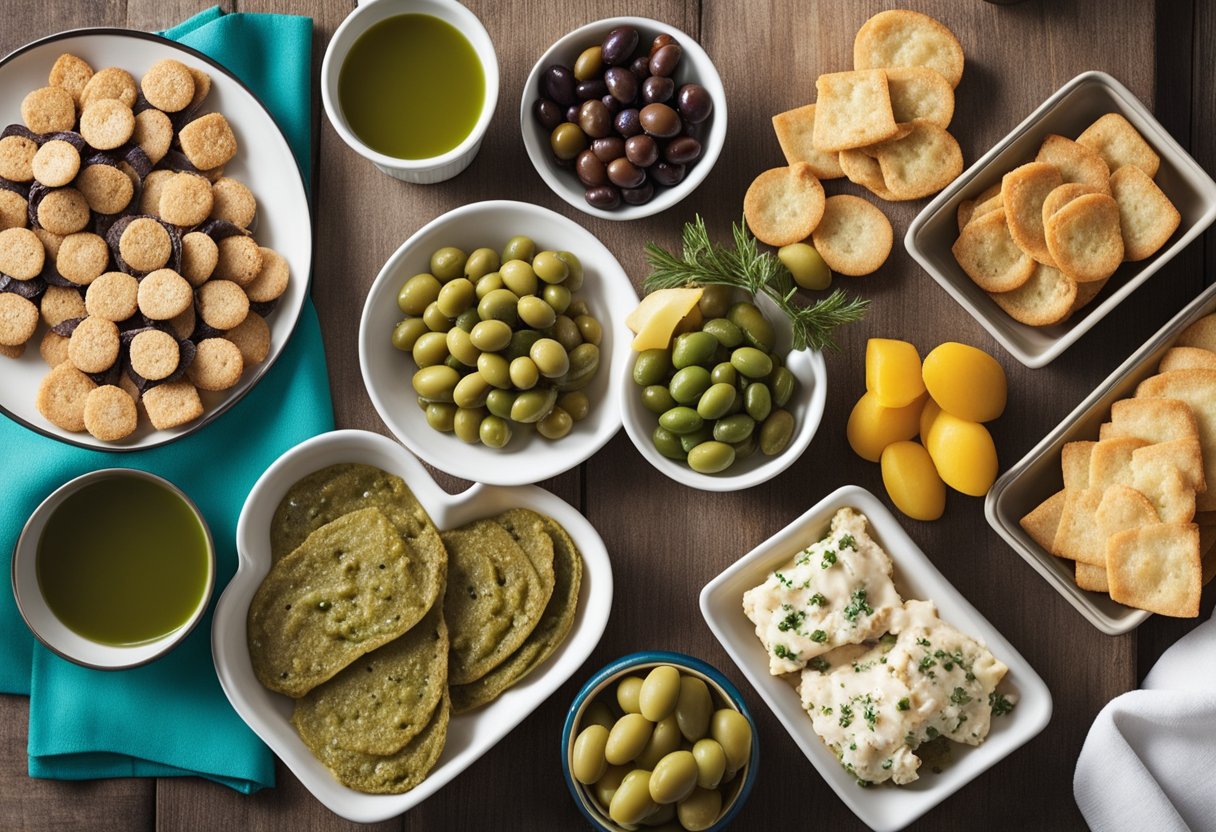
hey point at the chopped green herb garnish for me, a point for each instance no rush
(1000, 704)
(819, 636)
(792, 621)
(846, 716)
(818, 600)
(784, 581)
(903, 704)
(858, 606)
(886, 766)
(829, 560)
(783, 652)
(847, 542)
(959, 696)
(819, 663)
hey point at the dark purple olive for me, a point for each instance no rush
(604, 196)
(625, 174)
(608, 149)
(682, 150)
(590, 169)
(595, 119)
(659, 42)
(591, 88)
(572, 113)
(621, 84)
(640, 195)
(557, 82)
(612, 104)
(695, 103)
(640, 68)
(641, 150)
(659, 120)
(628, 122)
(665, 173)
(656, 90)
(548, 112)
(694, 131)
(665, 61)
(618, 48)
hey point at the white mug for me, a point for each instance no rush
(367, 14)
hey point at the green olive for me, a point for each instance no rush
(734, 733)
(448, 263)
(726, 333)
(681, 420)
(710, 759)
(430, 349)
(711, 457)
(589, 64)
(587, 761)
(758, 401)
(435, 319)
(590, 329)
(460, 345)
(717, 401)
(805, 265)
(632, 800)
(471, 391)
(745, 448)
(523, 372)
(598, 713)
(519, 277)
(751, 362)
(499, 305)
(480, 263)
(467, 424)
(651, 367)
(734, 428)
(456, 296)
(628, 691)
(468, 319)
(521, 343)
(657, 398)
(688, 441)
(440, 415)
(674, 778)
(499, 402)
(549, 267)
(455, 363)
(605, 788)
(567, 141)
(693, 707)
(536, 313)
(495, 432)
(687, 385)
(574, 276)
(491, 336)
(757, 331)
(576, 404)
(417, 293)
(556, 296)
(519, 248)
(783, 384)
(715, 301)
(700, 810)
(776, 432)
(628, 737)
(584, 361)
(533, 405)
(488, 283)
(663, 740)
(495, 369)
(724, 373)
(550, 357)
(576, 307)
(407, 333)
(436, 383)
(556, 425)
(662, 819)
(660, 690)
(667, 443)
(693, 348)
(566, 333)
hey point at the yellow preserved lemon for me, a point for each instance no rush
(893, 372)
(966, 382)
(963, 453)
(927, 414)
(912, 481)
(658, 315)
(872, 427)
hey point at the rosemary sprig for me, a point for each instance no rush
(706, 263)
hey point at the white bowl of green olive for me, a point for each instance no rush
(624, 117)
(488, 343)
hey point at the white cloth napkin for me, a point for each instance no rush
(1149, 762)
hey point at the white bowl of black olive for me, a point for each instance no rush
(624, 117)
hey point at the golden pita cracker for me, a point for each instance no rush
(1119, 143)
(1164, 487)
(853, 109)
(1187, 358)
(784, 205)
(1123, 508)
(1043, 521)
(1061, 196)
(990, 257)
(795, 129)
(1157, 568)
(1076, 162)
(1147, 218)
(1046, 298)
(1182, 455)
(1092, 578)
(1153, 420)
(1084, 238)
(920, 163)
(1074, 460)
(899, 37)
(1023, 191)
(1200, 334)
(919, 92)
(1110, 461)
(1197, 388)
(1078, 536)
(854, 237)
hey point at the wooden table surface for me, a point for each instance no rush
(666, 541)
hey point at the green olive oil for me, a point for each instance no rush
(123, 561)
(412, 87)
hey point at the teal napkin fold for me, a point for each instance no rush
(171, 718)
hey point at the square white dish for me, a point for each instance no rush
(883, 808)
(1037, 475)
(470, 735)
(1067, 112)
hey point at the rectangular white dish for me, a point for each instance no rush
(883, 808)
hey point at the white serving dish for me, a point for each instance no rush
(695, 68)
(1037, 475)
(1067, 112)
(469, 735)
(806, 405)
(884, 808)
(387, 371)
(264, 162)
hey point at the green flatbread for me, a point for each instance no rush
(382, 700)
(348, 588)
(550, 632)
(527, 528)
(392, 773)
(494, 599)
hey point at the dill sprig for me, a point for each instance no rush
(706, 263)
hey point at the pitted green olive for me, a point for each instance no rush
(556, 296)
(407, 333)
(576, 404)
(447, 263)
(519, 248)
(495, 432)
(491, 336)
(519, 277)
(456, 296)
(471, 391)
(430, 348)
(536, 313)
(481, 262)
(523, 372)
(417, 293)
(533, 405)
(440, 415)
(460, 345)
(549, 267)
(436, 383)
(435, 319)
(499, 305)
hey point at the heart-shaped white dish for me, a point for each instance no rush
(469, 735)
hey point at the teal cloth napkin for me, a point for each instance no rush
(171, 718)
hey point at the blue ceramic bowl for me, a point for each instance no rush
(721, 689)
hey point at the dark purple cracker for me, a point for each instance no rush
(137, 159)
(221, 229)
(31, 289)
(110, 376)
(114, 234)
(24, 132)
(264, 308)
(175, 160)
(66, 327)
(20, 188)
(38, 191)
(71, 137)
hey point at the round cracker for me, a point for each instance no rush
(989, 256)
(854, 237)
(919, 92)
(1062, 195)
(1084, 238)
(784, 205)
(1023, 192)
(1045, 299)
(1147, 218)
(899, 37)
(920, 163)
(110, 413)
(1076, 162)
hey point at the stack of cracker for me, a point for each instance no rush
(1044, 240)
(1136, 513)
(883, 125)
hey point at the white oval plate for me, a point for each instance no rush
(264, 162)
(469, 735)
(387, 371)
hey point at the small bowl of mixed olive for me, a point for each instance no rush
(659, 739)
(624, 117)
(727, 404)
(487, 343)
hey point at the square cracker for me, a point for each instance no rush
(1183, 455)
(1119, 143)
(920, 92)
(1045, 299)
(1200, 334)
(1153, 420)
(1041, 523)
(795, 129)
(1078, 536)
(1173, 500)
(1147, 218)
(1110, 461)
(1092, 578)
(1076, 162)
(853, 110)
(1157, 568)
(1197, 388)
(1122, 508)
(1074, 460)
